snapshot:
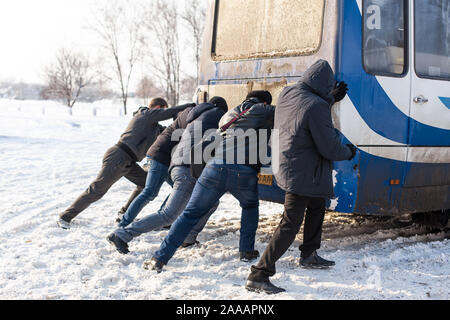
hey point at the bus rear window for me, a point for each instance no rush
(267, 28)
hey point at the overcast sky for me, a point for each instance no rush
(32, 30)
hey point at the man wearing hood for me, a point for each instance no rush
(308, 144)
(196, 121)
(226, 173)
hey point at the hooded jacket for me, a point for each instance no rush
(203, 117)
(259, 117)
(143, 129)
(308, 141)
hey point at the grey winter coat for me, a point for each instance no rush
(143, 128)
(308, 141)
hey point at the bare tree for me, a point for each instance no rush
(188, 87)
(147, 89)
(194, 17)
(163, 25)
(119, 28)
(67, 77)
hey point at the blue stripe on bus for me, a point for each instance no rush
(374, 105)
(445, 101)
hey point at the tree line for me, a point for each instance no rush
(129, 34)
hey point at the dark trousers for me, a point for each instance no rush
(284, 236)
(116, 164)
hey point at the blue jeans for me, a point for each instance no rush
(183, 185)
(157, 174)
(217, 178)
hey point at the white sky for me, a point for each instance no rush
(31, 31)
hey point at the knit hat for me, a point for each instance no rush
(219, 102)
(262, 95)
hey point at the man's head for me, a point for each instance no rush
(263, 96)
(320, 78)
(219, 102)
(158, 103)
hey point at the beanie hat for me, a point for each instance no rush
(262, 95)
(219, 102)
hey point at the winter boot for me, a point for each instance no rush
(118, 243)
(120, 215)
(313, 261)
(249, 255)
(63, 224)
(188, 245)
(153, 264)
(263, 286)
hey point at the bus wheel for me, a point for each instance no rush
(437, 220)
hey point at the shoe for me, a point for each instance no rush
(315, 262)
(187, 245)
(120, 215)
(263, 286)
(153, 264)
(118, 243)
(249, 255)
(63, 224)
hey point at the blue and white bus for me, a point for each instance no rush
(395, 57)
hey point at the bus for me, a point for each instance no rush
(395, 57)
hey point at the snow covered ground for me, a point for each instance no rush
(47, 158)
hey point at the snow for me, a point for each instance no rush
(47, 159)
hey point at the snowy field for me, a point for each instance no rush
(48, 158)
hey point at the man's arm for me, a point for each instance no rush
(325, 136)
(156, 115)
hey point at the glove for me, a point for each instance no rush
(353, 149)
(340, 91)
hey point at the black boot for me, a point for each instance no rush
(313, 261)
(118, 243)
(154, 264)
(249, 255)
(187, 245)
(263, 286)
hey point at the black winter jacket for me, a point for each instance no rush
(161, 150)
(308, 141)
(202, 118)
(259, 119)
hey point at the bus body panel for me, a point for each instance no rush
(404, 163)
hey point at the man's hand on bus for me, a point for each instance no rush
(353, 149)
(340, 91)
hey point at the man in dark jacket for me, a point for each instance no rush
(308, 144)
(201, 118)
(158, 161)
(121, 160)
(223, 174)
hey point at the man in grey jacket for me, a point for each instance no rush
(308, 144)
(121, 160)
